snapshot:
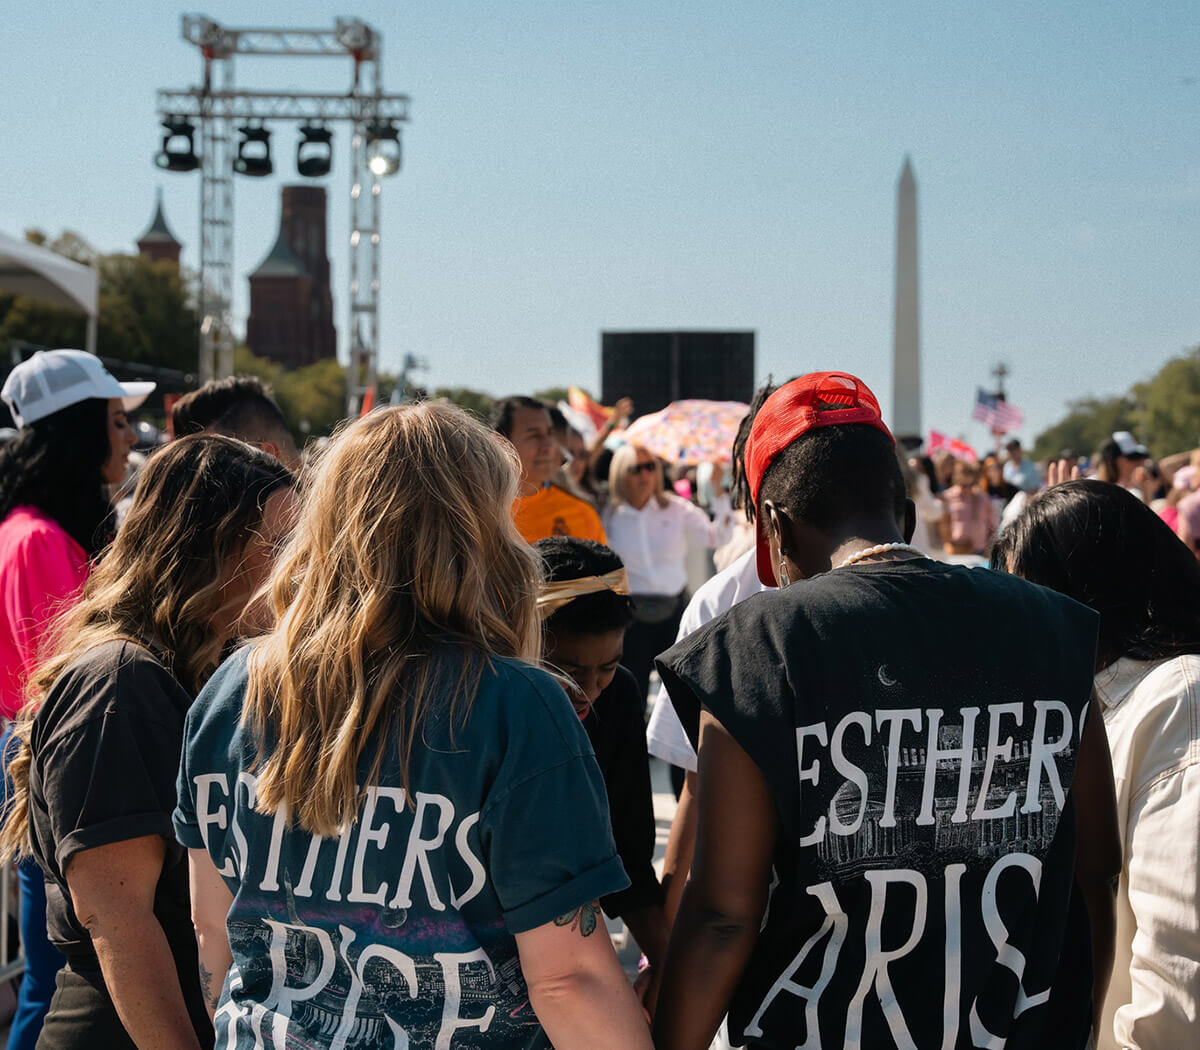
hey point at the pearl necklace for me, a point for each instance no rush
(881, 548)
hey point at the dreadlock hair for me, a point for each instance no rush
(739, 488)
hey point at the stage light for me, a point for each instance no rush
(254, 152)
(383, 147)
(178, 152)
(314, 153)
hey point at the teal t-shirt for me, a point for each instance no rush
(400, 932)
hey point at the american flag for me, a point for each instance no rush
(997, 413)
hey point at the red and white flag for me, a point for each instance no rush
(939, 442)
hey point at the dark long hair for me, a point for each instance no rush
(55, 464)
(1102, 546)
(198, 502)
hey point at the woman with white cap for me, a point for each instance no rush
(55, 518)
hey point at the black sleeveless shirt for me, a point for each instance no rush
(918, 725)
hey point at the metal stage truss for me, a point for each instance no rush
(216, 109)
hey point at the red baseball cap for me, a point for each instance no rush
(819, 399)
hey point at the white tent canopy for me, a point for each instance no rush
(27, 269)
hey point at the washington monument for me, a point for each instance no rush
(906, 345)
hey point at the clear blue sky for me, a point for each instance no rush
(577, 166)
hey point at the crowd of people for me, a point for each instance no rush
(350, 748)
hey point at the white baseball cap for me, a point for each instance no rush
(1128, 445)
(52, 380)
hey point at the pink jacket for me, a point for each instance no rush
(42, 570)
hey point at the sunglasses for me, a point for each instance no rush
(644, 468)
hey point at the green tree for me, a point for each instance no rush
(553, 395)
(312, 398)
(1088, 424)
(146, 312)
(472, 400)
(1168, 406)
(72, 246)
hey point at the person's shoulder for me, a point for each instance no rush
(730, 630)
(118, 657)
(29, 528)
(119, 677)
(560, 498)
(227, 686)
(620, 697)
(676, 504)
(733, 584)
(1028, 600)
(218, 708)
(560, 495)
(1169, 681)
(516, 694)
(528, 503)
(1158, 723)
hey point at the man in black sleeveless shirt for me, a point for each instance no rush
(907, 829)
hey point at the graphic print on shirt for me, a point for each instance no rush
(351, 954)
(985, 799)
(930, 828)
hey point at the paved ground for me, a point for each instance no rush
(664, 810)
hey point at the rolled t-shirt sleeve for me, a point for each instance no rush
(187, 828)
(112, 778)
(204, 754)
(732, 668)
(544, 829)
(549, 846)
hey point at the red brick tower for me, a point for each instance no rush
(303, 222)
(291, 308)
(158, 243)
(279, 325)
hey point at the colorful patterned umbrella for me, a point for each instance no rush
(689, 432)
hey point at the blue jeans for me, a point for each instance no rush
(42, 959)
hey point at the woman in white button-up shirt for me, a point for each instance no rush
(1099, 544)
(651, 530)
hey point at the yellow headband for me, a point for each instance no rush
(562, 592)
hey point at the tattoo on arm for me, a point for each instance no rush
(585, 919)
(206, 987)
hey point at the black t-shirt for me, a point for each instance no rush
(617, 729)
(918, 899)
(105, 755)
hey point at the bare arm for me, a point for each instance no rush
(723, 903)
(1097, 848)
(577, 987)
(681, 843)
(621, 412)
(676, 864)
(211, 901)
(650, 930)
(112, 891)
